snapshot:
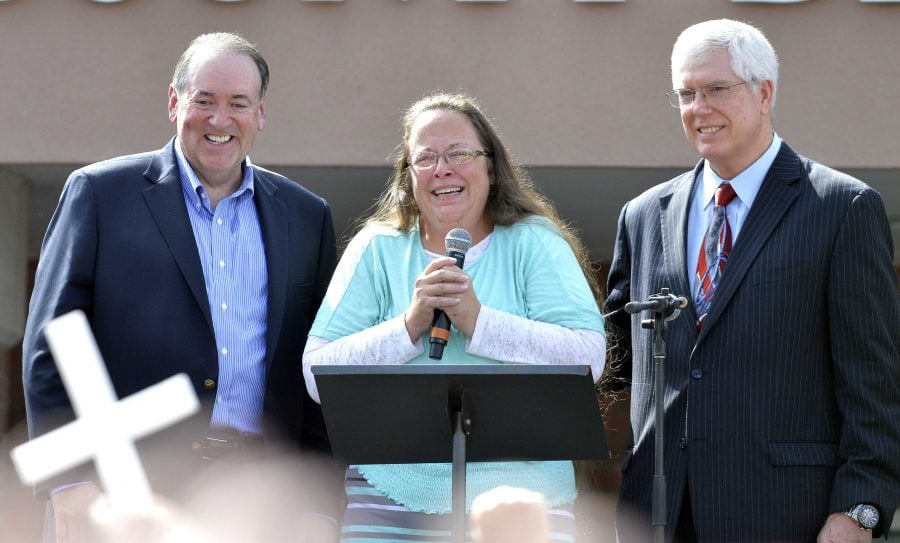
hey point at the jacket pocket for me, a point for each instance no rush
(803, 453)
(780, 273)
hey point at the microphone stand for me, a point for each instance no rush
(665, 307)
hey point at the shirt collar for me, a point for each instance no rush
(747, 183)
(191, 183)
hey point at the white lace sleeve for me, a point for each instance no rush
(518, 340)
(385, 343)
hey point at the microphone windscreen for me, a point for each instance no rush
(458, 240)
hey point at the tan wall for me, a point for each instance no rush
(569, 83)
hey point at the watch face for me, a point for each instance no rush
(868, 517)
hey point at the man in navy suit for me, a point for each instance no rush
(189, 259)
(782, 420)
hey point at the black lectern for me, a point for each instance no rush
(457, 413)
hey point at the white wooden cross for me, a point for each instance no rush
(106, 428)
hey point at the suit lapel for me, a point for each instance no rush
(273, 222)
(674, 212)
(776, 195)
(166, 202)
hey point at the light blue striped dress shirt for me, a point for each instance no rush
(230, 243)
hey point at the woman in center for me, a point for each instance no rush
(526, 295)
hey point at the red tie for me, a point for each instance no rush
(713, 253)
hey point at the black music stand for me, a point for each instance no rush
(457, 413)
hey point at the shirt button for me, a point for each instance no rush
(221, 263)
(696, 373)
(209, 384)
(224, 307)
(682, 442)
(224, 350)
(219, 221)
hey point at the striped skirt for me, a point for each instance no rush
(372, 517)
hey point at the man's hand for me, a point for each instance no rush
(839, 528)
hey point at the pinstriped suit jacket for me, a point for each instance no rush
(786, 406)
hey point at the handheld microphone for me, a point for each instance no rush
(668, 304)
(457, 243)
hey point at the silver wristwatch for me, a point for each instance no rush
(865, 515)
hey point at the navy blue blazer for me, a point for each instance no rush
(784, 408)
(121, 248)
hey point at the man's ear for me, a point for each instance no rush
(766, 93)
(262, 114)
(173, 104)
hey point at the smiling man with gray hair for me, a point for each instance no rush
(781, 414)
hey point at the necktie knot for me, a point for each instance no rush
(724, 194)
